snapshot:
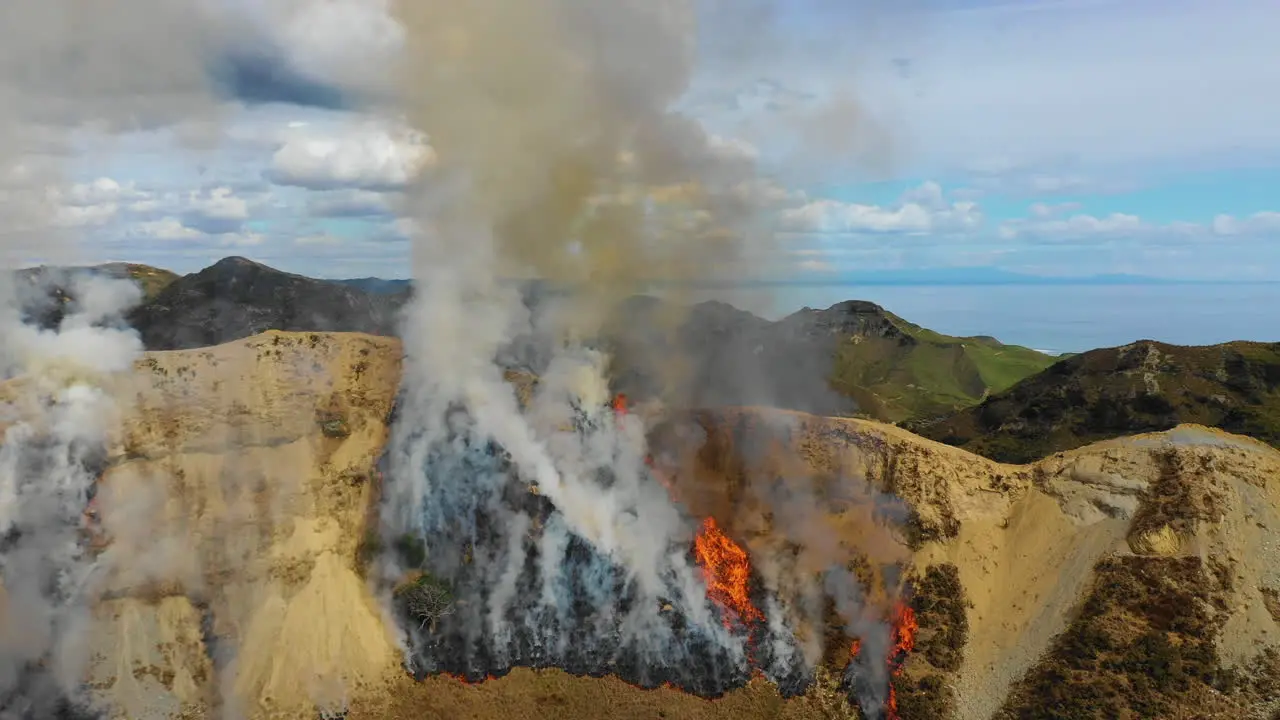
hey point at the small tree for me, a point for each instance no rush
(427, 599)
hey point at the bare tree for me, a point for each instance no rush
(427, 599)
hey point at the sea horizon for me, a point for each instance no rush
(1063, 318)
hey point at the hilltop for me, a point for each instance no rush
(853, 357)
(151, 280)
(43, 292)
(236, 298)
(1131, 578)
(1142, 387)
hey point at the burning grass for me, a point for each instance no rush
(727, 572)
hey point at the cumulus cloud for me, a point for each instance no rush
(218, 210)
(1048, 210)
(168, 228)
(1075, 226)
(348, 203)
(368, 156)
(924, 209)
(320, 239)
(1046, 224)
(1262, 223)
(174, 230)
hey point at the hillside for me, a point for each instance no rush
(151, 280)
(237, 298)
(235, 506)
(43, 292)
(1141, 387)
(851, 358)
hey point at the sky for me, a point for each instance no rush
(1066, 137)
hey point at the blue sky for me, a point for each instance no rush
(1063, 137)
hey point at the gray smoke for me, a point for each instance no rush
(58, 413)
(560, 158)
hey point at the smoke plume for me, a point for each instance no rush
(560, 158)
(67, 67)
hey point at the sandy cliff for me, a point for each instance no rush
(238, 493)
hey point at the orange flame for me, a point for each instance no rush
(904, 641)
(727, 570)
(620, 404)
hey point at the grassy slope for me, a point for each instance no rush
(1107, 393)
(934, 375)
(151, 279)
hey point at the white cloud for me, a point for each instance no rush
(921, 210)
(217, 211)
(1099, 84)
(370, 156)
(348, 203)
(1048, 210)
(322, 239)
(90, 204)
(100, 191)
(169, 228)
(1076, 226)
(1044, 225)
(1263, 223)
(240, 239)
(350, 43)
(728, 148)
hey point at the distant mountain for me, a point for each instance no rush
(1141, 387)
(237, 298)
(853, 357)
(44, 292)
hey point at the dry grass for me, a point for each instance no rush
(537, 694)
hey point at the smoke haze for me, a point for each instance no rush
(560, 157)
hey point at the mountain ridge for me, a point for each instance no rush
(1107, 392)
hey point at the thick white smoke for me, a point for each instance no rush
(59, 414)
(559, 158)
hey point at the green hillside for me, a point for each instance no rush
(1143, 387)
(923, 374)
(853, 358)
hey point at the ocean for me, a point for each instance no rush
(1056, 318)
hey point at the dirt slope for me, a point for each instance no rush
(251, 466)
